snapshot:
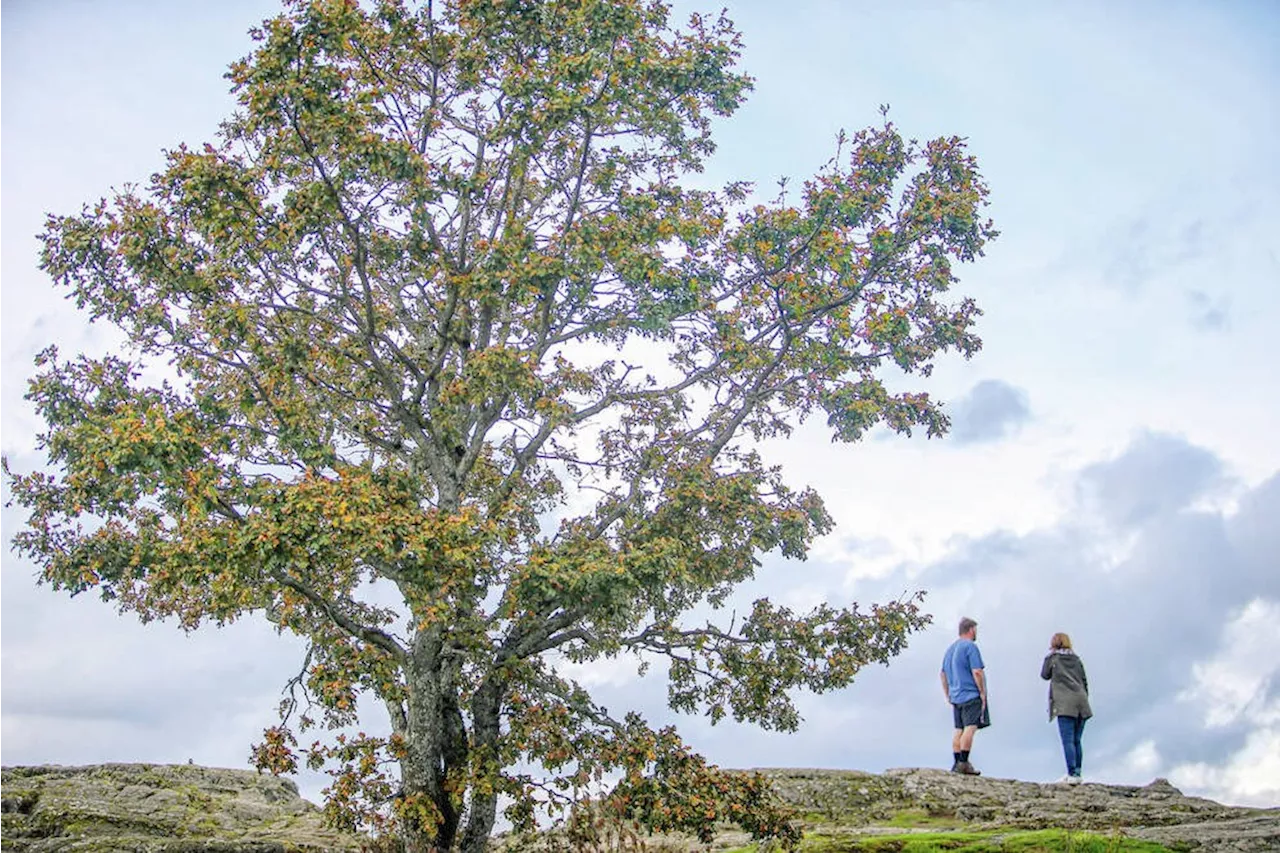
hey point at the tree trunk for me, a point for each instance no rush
(486, 706)
(423, 768)
(454, 756)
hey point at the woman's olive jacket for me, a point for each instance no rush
(1068, 685)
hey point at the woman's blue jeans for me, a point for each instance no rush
(1071, 728)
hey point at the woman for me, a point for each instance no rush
(1068, 700)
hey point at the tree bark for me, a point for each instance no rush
(454, 756)
(422, 768)
(486, 706)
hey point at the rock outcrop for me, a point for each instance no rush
(169, 808)
(841, 802)
(159, 808)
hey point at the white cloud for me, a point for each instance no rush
(1236, 688)
(1142, 761)
(1250, 776)
(611, 672)
(1233, 686)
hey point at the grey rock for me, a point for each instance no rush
(158, 808)
(848, 799)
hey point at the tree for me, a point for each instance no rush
(463, 383)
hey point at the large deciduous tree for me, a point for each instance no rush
(464, 383)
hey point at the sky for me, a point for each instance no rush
(1112, 471)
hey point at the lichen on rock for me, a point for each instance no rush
(159, 808)
(851, 803)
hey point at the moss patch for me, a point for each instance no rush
(1037, 841)
(994, 841)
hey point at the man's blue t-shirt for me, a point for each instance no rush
(958, 664)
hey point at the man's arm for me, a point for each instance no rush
(946, 688)
(980, 678)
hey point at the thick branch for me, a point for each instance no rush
(373, 636)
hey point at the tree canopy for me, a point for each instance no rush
(440, 361)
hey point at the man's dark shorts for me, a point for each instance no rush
(970, 713)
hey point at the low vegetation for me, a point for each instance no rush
(990, 841)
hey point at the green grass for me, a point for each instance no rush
(994, 841)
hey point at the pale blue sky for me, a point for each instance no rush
(1116, 476)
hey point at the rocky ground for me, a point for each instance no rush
(169, 808)
(839, 804)
(158, 808)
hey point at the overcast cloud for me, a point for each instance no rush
(990, 411)
(1113, 470)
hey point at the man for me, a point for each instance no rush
(965, 686)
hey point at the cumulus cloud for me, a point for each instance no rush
(1255, 534)
(1157, 474)
(1236, 683)
(1238, 689)
(990, 411)
(1143, 759)
(1250, 777)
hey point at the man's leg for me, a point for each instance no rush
(966, 744)
(955, 738)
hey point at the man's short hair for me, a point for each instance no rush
(967, 625)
